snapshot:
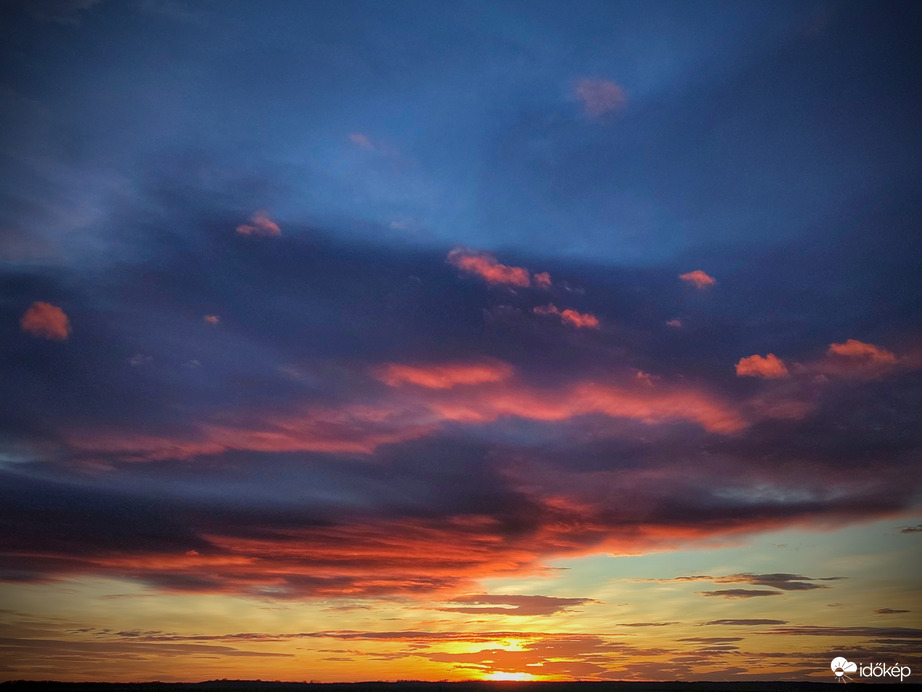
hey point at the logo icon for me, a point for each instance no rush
(840, 666)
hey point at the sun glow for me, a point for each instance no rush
(515, 677)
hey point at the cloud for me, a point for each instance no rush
(675, 324)
(407, 413)
(599, 96)
(542, 280)
(779, 580)
(444, 375)
(912, 529)
(819, 631)
(855, 359)
(740, 593)
(647, 624)
(890, 611)
(862, 351)
(260, 224)
(746, 622)
(362, 141)
(514, 605)
(212, 319)
(572, 317)
(485, 265)
(768, 367)
(46, 321)
(698, 279)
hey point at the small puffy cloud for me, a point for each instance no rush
(859, 350)
(698, 278)
(599, 96)
(260, 224)
(583, 320)
(542, 280)
(361, 141)
(485, 265)
(675, 324)
(139, 359)
(46, 321)
(444, 375)
(770, 367)
(212, 319)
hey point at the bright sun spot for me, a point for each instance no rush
(519, 677)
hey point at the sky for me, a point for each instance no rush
(434, 340)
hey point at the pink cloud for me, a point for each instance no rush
(212, 319)
(484, 265)
(361, 141)
(542, 280)
(583, 320)
(675, 324)
(599, 96)
(768, 367)
(861, 351)
(698, 278)
(475, 394)
(445, 375)
(260, 224)
(46, 321)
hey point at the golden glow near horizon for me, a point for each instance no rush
(641, 628)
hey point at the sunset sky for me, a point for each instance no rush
(437, 340)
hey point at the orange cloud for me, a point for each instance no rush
(406, 413)
(577, 319)
(46, 321)
(698, 278)
(599, 96)
(484, 265)
(865, 352)
(260, 224)
(770, 367)
(444, 376)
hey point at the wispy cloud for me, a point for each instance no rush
(46, 321)
(768, 367)
(580, 320)
(486, 604)
(820, 631)
(483, 264)
(362, 141)
(740, 593)
(890, 611)
(698, 278)
(746, 622)
(443, 375)
(260, 224)
(779, 580)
